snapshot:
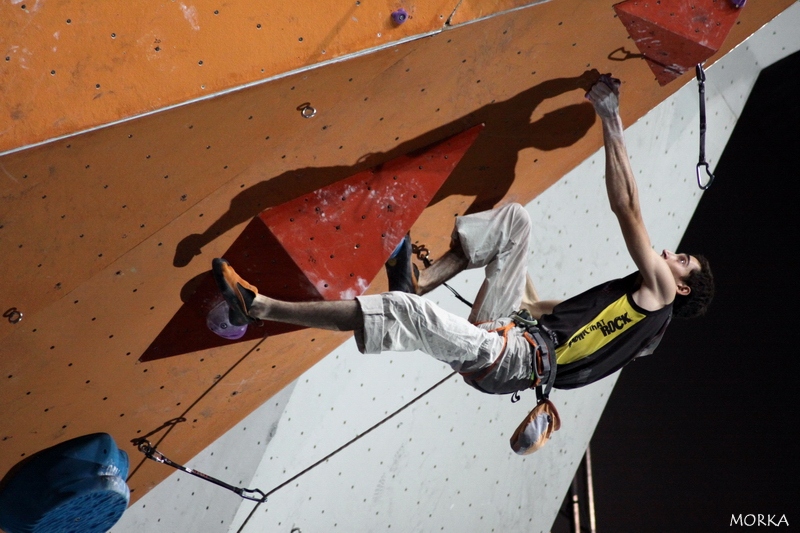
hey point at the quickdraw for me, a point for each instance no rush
(150, 452)
(701, 78)
(422, 254)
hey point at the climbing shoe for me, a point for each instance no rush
(237, 292)
(402, 273)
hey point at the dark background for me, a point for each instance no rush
(705, 428)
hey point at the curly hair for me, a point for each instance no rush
(696, 302)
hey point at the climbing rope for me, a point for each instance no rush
(343, 446)
(258, 495)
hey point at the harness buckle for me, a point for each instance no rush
(542, 351)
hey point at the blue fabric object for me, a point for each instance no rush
(76, 486)
(399, 268)
(399, 248)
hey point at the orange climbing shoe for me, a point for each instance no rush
(237, 292)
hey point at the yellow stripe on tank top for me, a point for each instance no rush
(612, 322)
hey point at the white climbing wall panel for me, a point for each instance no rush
(443, 463)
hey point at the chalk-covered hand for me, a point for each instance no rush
(604, 95)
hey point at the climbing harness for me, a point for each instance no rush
(150, 452)
(533, 332)
(535, 335)
(536, 429)
(701, 78)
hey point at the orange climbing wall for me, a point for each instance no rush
(76, 64)
(100, 231)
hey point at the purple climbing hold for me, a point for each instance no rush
(739, 3)
(399, 16)
(217, 321)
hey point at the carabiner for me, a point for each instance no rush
(708, 172)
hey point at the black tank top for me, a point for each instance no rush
(601, 330)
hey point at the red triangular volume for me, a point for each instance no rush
(676, 35)
(328, 244)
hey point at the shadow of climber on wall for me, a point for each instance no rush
(486, 172)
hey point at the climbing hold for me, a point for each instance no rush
(673, 35)
(218, 322)
(399, 16)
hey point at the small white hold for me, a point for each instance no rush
(190, 14)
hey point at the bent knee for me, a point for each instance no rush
(520, 219)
